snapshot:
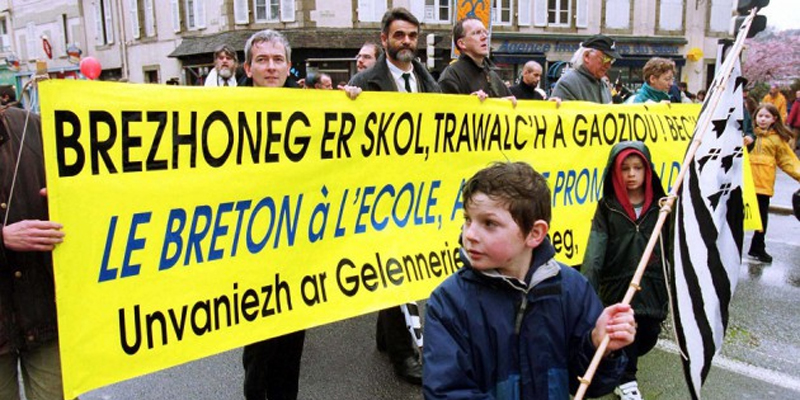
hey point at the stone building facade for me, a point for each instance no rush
(149, 41)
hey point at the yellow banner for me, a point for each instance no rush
(202, 219)
(752, 217)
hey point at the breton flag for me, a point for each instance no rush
(709, 232)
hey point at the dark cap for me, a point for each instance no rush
(602, 43)
(225, 49)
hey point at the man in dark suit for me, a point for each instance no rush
(397, 71)
(271, 366)
(399, 37)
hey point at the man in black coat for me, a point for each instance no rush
(399, 37)
(528, 87)
(473, 73)
(397, 71)
(272, 366)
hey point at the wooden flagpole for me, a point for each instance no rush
(41, 74)
(666, 206)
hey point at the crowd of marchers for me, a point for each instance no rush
(512, 323)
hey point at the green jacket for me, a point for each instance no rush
(647, 92)
(616, 244)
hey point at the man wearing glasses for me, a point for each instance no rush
(473, 73)
(397, 70)
(589, 65)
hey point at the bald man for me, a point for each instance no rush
(528, 87)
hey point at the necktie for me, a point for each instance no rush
(406, 77)
(226, 82)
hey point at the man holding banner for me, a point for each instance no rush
(473, 72)
(589, 65)
(396, 70)
(528, 86)
(272, 366)
(28, 326)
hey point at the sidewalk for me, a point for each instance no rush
(785, 186)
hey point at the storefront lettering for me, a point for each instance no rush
(509, 47)
(523, 48)
(566, 47)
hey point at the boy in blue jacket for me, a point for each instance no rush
(514, 323)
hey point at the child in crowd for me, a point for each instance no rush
(771, 149)
(513, 323)
(622, 225)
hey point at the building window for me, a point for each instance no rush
(267, 10)
(175, 10)
(371, 10)
(149, 19)
(670, 15)
(30, 42)
(195, 14)
(501, 12)
(264, 11)
(437, 11)
(558, 12)
(143, 18)
(104, 33)
(618, 14)
(151, 75)
(241, 13)
(720, 15)
(5, 39)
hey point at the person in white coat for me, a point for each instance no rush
(224, 72)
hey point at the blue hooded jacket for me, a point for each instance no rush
(490, 336)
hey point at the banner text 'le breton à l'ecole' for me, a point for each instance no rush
(197, 225)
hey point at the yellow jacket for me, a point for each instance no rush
(771, 151)
(779, 101)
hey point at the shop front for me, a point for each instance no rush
(511, 51)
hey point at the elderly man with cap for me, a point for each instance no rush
(224, 72)
(589, 65)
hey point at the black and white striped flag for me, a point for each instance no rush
(709, 233)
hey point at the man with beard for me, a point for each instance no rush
(528, 87)
(272, 366)
(473, 73)
(367, 56)
(589, 65)
(224, 72)
(397, 71)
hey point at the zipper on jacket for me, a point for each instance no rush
(520, 314)
(625, 215)
(517, 328)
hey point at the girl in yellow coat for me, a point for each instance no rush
(771, 150)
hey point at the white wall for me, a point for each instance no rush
(333, 13)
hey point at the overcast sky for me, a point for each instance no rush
(783, 14)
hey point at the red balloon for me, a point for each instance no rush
(91, 68)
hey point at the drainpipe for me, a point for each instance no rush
(123, 44)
